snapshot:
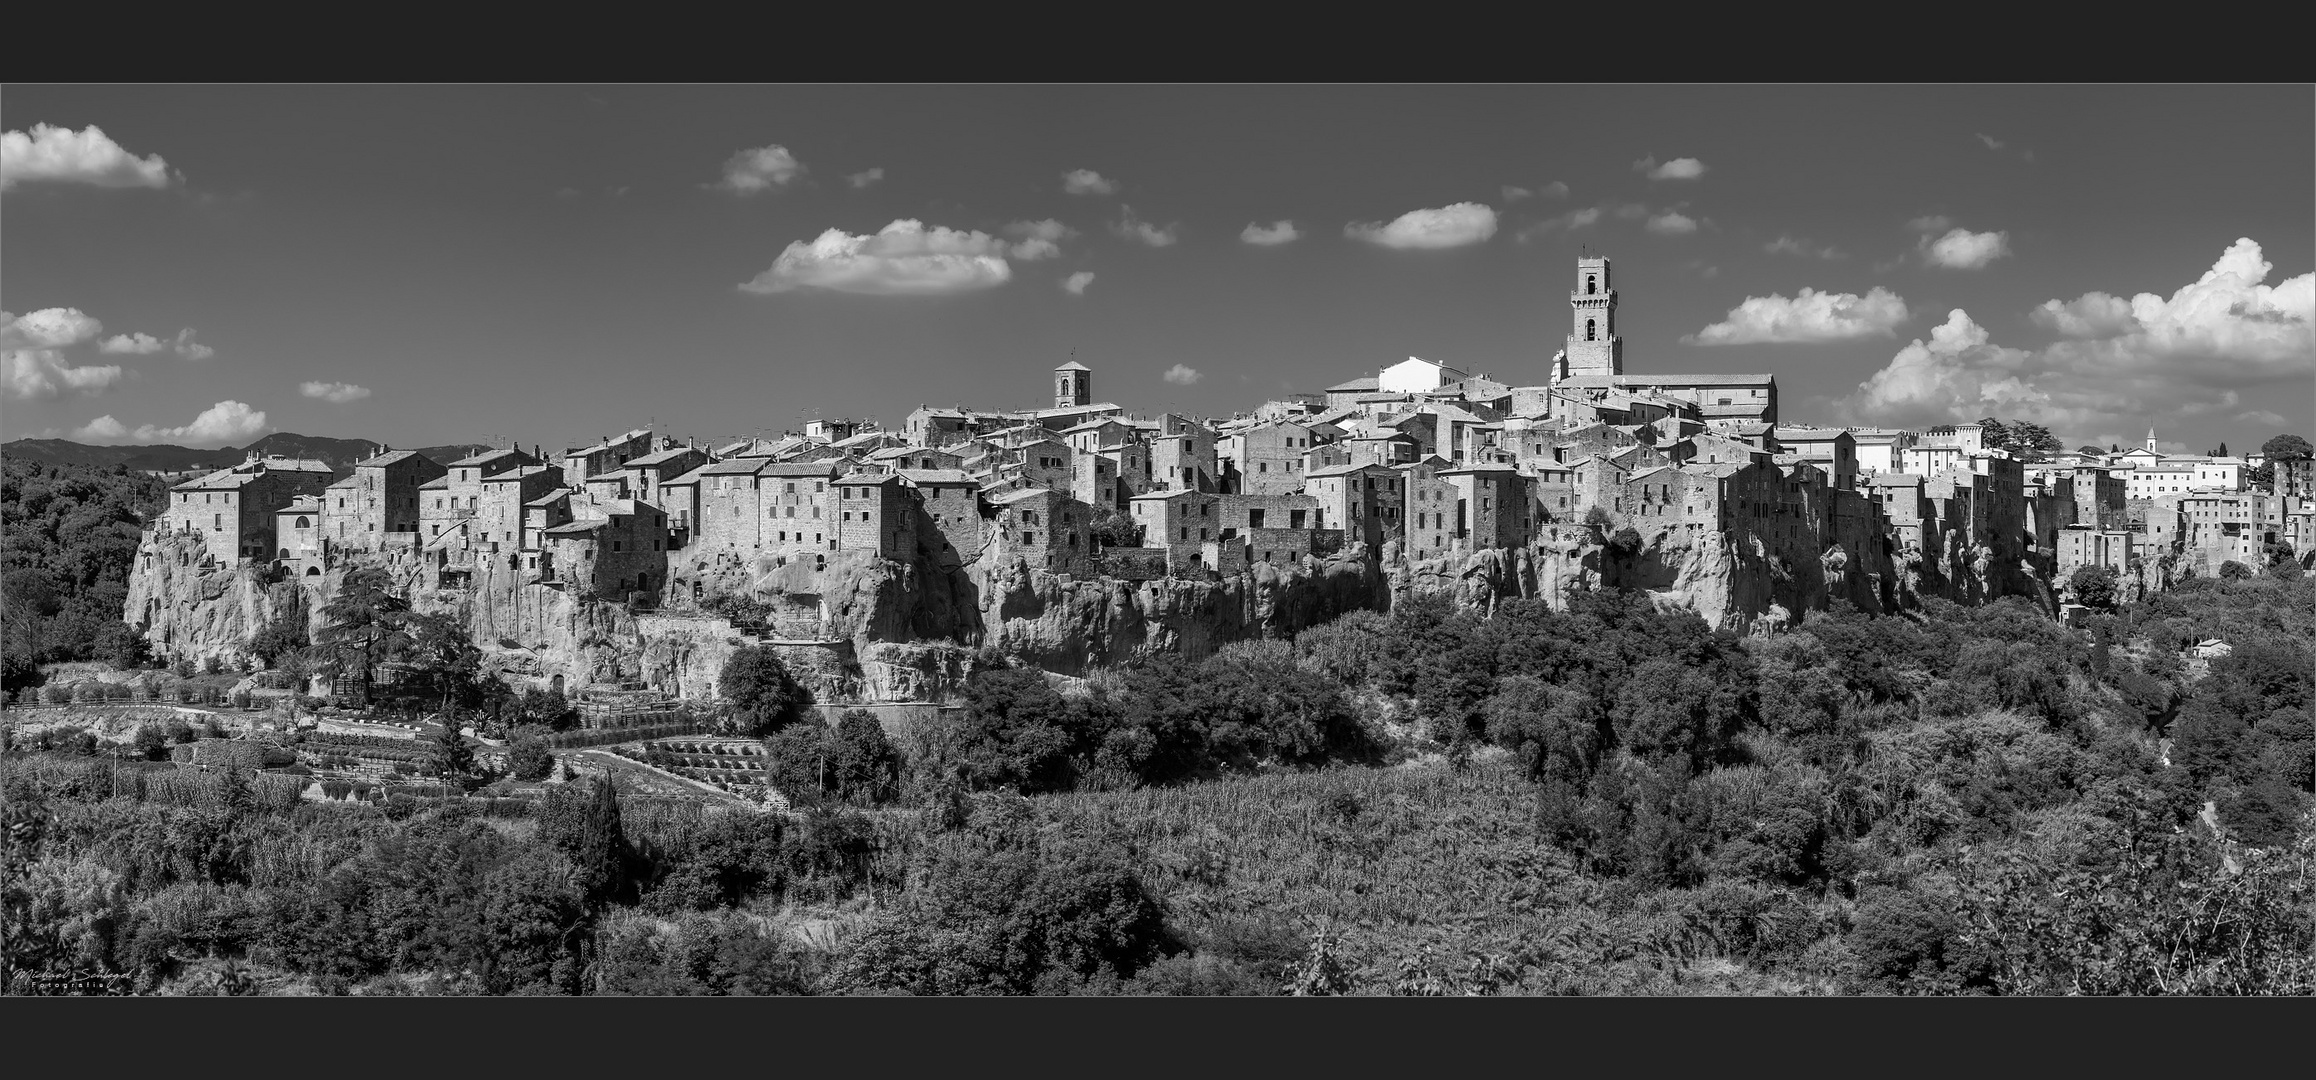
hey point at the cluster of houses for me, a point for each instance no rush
(1430, 458)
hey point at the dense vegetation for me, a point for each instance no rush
(68, 538)
(1613, 800)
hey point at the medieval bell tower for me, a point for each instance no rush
(1073, 385)
(1594, 349)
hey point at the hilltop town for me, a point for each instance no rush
(1422, 478)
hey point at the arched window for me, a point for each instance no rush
(1591, 284)
(304, 524)
(1589, 327)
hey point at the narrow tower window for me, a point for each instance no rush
(1591, 284)
(1588, 330)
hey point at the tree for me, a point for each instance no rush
(762, 695)
(454, 757)
(2288, 446)
(528, 757)
(2025, 441)
(2232, 570)
(362, 627)
(2094, 586)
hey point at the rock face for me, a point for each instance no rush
(864, 629)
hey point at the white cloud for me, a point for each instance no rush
(147, 344)
(1271, 235)
(1183, 375)
(133, 344)
(43, 373)
(1088, 182)
(191, 349)
(1135, 229)
(32, 360)
(1809, 316)
(761, 169)
(1454, 225)
(2198, 352)
(1684, 168)
(48, 328)
(2093, 314)
(902, 259)
(224, 422)
(1961, 249)
(2261, 416)
(1515, 194)
(337, 393)
(63, 155)
(1672, 223)
(1076, 283)
(1991, 142)
(1786, 245)
(1039, 239)
(101, 429)
(865, 177)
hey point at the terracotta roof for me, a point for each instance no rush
(922, 477)
(1368, 383)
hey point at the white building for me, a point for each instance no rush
(1416, 375)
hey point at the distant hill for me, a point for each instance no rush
(340, 454)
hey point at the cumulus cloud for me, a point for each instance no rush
(2091, 315)
(2197, 352)
(1682, 168)
(1183, 375)
(147, 344)
(762, 169)
(336, 393)
(48, 328)
(1088, 182)
(1786, 245)
(1076, 283)
(865, 177)
(1454, 225)
(1809, 316)
(1142, 232)
(224, 422)
(1271, 235)
(1961, 249)
(32, 360)
(1672, 223)
(133, 344)
(1039, 239)
(62, 155)
(902, 259)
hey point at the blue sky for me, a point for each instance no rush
(423, 265)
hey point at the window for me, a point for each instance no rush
(1588, 330)
(1591, 284)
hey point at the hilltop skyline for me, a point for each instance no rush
(427, 265)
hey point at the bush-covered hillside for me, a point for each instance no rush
(69, 541)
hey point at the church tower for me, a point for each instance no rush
(1073, 385)
(1594, 350)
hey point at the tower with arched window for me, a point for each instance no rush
(1594, 349)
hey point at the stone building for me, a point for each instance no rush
(1073, 386)
(1265, 459)
(1833, 449)
(877, 513)
(297, 533)
(607, 558)
(1044, 528)
(950, 508)
(1182, 456)
(1095, 482)
(1364, 500)
(1433, 516)
(380, 499)
(1491, 505)
(799, 510)
(233, 509)
(730, 509)
(582, 462)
